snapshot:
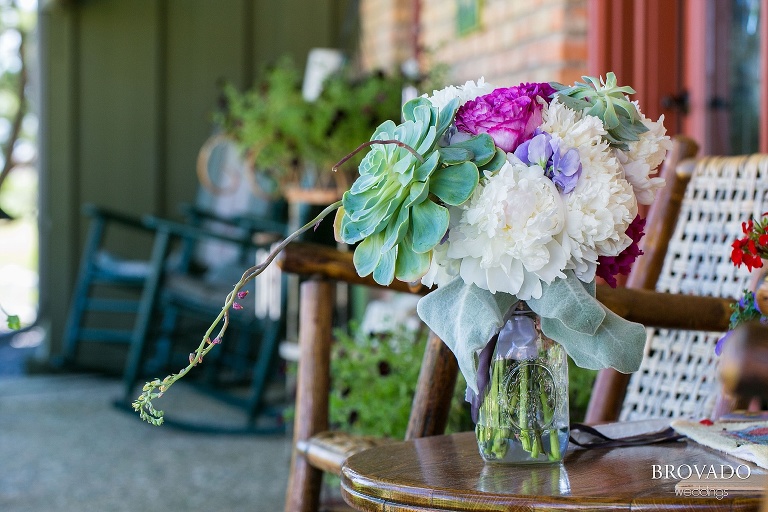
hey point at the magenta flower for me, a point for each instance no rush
(609, 266)
(508, 115)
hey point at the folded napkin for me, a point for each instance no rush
(745, 440)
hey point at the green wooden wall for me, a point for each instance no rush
(128, 87)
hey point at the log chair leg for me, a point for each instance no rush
(312, 388)
(607, 397)
(434, 391)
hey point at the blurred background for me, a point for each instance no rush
(120, 103)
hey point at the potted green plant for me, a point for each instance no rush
(292, 143)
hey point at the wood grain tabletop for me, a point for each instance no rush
(446, 473)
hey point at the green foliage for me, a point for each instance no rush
(580, 383)
(607, 100)
(13, 322)
(366, 402)
(373, 381)
(350, 108)
(283, 133)
(270, 121)
(744, 310)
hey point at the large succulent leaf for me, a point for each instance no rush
(455, 184)
(496, 163)
(360, 203)
(445, 117)
(424, 170)
(454, 155)
(384, 131)
(368, 253)
(410, 265)
(428, 141)
(371, 221)
(363, 183)
(482, 147)
(418, 193)
(384, 273)
(396, 229)
(429, 223)
(410, 108)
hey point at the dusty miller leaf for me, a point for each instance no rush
(465, 317)
(571, 302)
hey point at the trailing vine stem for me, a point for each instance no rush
(155, 388)
(371, 143)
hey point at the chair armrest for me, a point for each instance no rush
(106, 214)
(650, 308)
(181, 230)
(248, 222)
(309, 259)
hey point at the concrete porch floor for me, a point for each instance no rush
(64, 446)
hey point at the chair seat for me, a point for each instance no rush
(328, 450)
(108, 266)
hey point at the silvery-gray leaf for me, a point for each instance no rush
(572, 302)
(465, 317)
(617, 343)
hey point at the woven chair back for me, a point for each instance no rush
(678, 376)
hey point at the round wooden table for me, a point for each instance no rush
(446, 473)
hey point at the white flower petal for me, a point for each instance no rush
(507, 235)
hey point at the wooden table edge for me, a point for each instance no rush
(368, 495)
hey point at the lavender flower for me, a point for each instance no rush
(510, 116)
(561, 165)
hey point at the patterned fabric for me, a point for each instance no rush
(748, 441)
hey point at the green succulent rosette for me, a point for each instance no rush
(396, 209)
(606, 100)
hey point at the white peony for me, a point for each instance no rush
(644, 157)
(507, 235)
(468, 91)
(603, 204)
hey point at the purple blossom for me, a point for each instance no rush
(242, 295)
(561, 165)
(565, 170)
(509, 115)
(721, 343)
(609, 266)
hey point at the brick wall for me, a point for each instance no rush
(518, 40)
(386, 33)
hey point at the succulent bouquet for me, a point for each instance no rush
(494, 196)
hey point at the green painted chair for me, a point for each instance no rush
(157, 307)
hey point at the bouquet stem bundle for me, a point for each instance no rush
(520, 418)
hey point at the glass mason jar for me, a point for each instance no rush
(523, 417)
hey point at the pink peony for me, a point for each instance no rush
(609, 266)
(508, 115)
